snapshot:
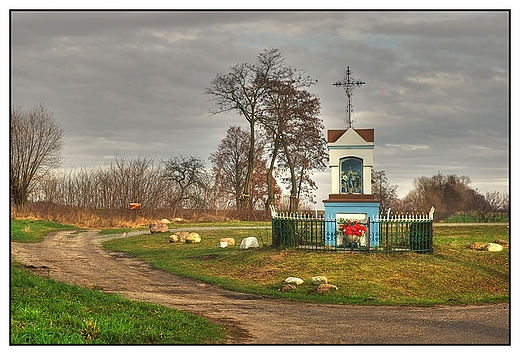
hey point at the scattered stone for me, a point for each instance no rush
(477, 245)
(193, 238)
(493, 247)
(185, 237)
(483, 246)
(230, 241)
(165, 221)
(287, 288)
(295, 280)
(158, 228)
(222, 244)
(179, 237)
(318, 280)
(249, 242)
(326, 288)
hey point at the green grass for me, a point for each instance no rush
(44, 311)
(452, 274)
(465, 218)
(33, 231)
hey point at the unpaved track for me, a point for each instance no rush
(78, 258)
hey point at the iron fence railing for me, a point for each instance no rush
(396, 233)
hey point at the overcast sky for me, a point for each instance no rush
(131, 83)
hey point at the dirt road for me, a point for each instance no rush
(78, 258)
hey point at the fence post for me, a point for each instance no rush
(369, 232)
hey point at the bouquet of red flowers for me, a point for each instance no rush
(353, 228)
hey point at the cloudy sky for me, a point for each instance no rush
(131, 82)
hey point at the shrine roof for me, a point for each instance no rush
(334, 134)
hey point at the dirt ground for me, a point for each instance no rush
(78, 258)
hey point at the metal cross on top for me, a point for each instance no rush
(349, 83)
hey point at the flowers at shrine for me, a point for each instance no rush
(353, 228)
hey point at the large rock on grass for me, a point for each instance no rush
(249, 242)
(493, 247)
(158, 228)
(318, 280)
(193, 238)
(483, 246)
(229, 242)
(185, 237)
(294, 280)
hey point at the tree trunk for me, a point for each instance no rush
(245, 199)
(270, 191)
(293, 200)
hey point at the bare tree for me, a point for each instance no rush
(36, 143)
(188, 175)
(291, 120)
(136, 179)
(427, 192)
(488, 207)
(243, 90)
(230, 163)
(113, 186)
(383, 191)
(229, 168)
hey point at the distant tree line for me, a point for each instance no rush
(449, 194)
(178, 184)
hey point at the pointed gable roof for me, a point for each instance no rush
(350, 136)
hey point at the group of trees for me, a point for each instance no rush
(281, 148)
(178, 183)
(283, 119)
(449, 194)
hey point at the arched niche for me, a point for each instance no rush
(351, 175)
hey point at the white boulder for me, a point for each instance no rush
(318, 280)
(294, 280)
(493, 247)
(249, 242)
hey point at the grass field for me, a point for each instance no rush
(452, 274)
(33, 231)
(44, 311)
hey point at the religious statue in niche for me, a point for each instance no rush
(351, 176)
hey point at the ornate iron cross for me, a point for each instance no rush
(349, 83)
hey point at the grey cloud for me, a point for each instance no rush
(132, 81)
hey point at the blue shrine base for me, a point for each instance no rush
(353, 209)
